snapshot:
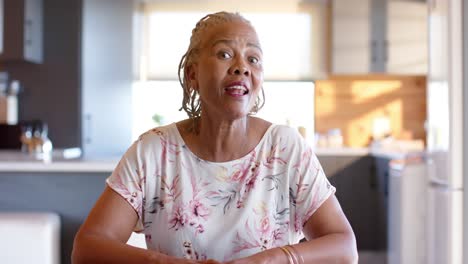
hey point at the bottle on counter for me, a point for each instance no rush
(9, 101)
(41, 144)
(26, 138)
(46, 143)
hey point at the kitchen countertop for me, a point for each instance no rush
(380, 153)
(16, 161)
(343, 151)
(79, 165)
(389, 154)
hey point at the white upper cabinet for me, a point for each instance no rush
(407, 35)
(22, 31)
(440, 40)
(350, 36)
(379, 36)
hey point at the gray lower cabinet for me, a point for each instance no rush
(361, 191)
(382, 170)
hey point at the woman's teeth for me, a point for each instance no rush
(237, 90)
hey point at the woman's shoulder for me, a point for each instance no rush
(156, 134)
(274, 131)
(286, 136)
(285, 131)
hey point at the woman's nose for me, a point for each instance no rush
(239, 68)
(242, 70)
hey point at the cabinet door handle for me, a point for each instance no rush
(385, 50)
(372, 176)
(386, 182)
(28, 32)
(372, 181)
(374, 51)
(88, 128)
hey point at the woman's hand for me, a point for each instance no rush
(174, 260)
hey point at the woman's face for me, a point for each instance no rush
(228, 73)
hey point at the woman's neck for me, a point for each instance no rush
(223, 140)
(220, 141)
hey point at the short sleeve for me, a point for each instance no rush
(309, 188)
(128, 180)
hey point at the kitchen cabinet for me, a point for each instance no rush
(379, 36)
(381, 167)
(22, 31)
(407, 36)
(362, 197)
(106, 76)
(350, 36)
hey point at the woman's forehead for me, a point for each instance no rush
(228, 31)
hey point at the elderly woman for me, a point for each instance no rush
(222, 186)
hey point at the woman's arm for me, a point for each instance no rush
(330, 236)
(330, 240)
(103, 236)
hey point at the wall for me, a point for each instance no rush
(52, 89)
(352, 103)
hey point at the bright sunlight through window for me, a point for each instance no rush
(157, 103)
(286, 49)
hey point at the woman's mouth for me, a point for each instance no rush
(236, 90)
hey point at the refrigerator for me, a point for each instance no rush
(445, 128)
(407, 210)
(426, 224)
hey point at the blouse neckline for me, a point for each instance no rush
(179, 137)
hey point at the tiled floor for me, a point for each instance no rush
(372, 257)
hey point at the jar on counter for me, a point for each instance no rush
(335, 138)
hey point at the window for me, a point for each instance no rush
(288, 64)
(287, 49)
(285, 103)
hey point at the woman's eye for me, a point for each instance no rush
(254, 60)
(224, 55)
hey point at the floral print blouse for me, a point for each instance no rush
(198, 209)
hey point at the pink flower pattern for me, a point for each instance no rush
(220, 210)
(179, 218)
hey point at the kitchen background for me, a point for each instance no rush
(375, 85)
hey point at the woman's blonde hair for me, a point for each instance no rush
(191, 100)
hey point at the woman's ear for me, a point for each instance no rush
(192, 76)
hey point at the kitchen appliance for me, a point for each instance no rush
(29, 136)
(440, 209)
(445, 128)
(407, 210)
(10, 136)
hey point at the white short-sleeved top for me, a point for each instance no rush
(192, 208)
